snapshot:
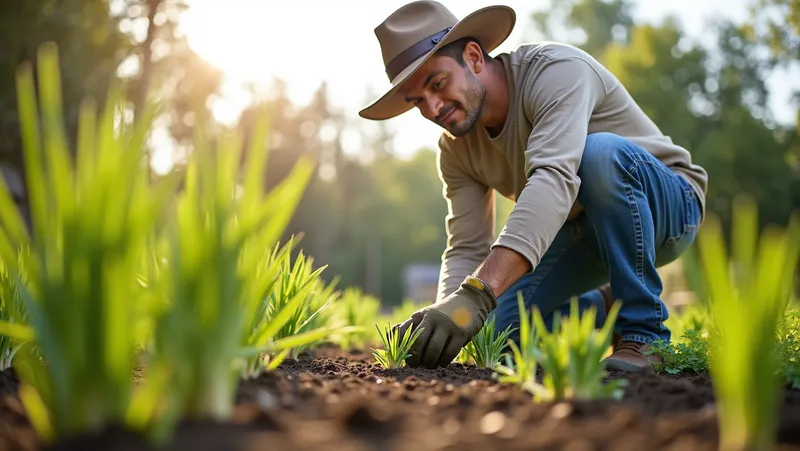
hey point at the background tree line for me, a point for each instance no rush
(367, 217)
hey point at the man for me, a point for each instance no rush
(602, 196)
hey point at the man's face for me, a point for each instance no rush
(446, 93)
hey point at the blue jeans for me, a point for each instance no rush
(638, 215)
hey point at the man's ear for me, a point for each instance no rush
(473, 57)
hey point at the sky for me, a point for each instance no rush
(306, 42)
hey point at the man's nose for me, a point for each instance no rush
(434, 106)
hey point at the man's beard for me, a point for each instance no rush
(474, 94)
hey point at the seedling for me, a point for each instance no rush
(215, 283)
(90, 223)
(300, 281)
(571, 355)
(273, 331)
(747, 296)
(12, 316)
(689, 354)
(395, 349)
(520, 367)
(486, 349)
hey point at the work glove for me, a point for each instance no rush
(449, 324)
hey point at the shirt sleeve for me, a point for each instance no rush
(469, 223)
(559, 102)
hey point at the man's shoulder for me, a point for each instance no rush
(543, 51)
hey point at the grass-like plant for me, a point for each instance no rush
(90, 221)
(213, 278)
(12, 288)
(356, 309)
(299, 280)
(571, 356)
(396, 349)
(283, 322)
(521, 364)
(748, 293)
(486, 349)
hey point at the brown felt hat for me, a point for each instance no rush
(413, 33)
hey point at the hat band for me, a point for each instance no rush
(411, 54)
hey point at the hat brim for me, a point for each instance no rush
(491, 26)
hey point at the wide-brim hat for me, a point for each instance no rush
(413, 33)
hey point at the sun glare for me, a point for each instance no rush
(234, 36)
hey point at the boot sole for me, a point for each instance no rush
(621, 365)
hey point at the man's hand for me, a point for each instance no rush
(448, 325)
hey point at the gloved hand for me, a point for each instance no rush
(449, 324)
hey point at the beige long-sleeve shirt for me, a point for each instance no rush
(558, 94)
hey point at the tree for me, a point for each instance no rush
(713, 101)
(91, 48)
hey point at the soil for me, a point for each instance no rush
(335, 400)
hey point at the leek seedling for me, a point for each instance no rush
(90, 221)
(267, 343)
(11, 314)
(486, 349)
(301, 281)
(395, 349)
(520, 367)
(213, 271)
(747, 297)
(571, 356)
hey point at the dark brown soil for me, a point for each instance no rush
(342, 401)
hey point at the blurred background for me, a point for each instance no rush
(721, 77)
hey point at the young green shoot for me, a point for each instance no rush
(486, 348)
(215, 280)
(748, 292)
(283, 322)
(521, 364)
(395, 348)
(571, 356)
(12, 288)
(90, 221)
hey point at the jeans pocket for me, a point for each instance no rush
(684, 233)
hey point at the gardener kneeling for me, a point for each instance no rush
(602, 196)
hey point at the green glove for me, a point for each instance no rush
(449, 324)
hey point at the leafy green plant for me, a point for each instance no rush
(687, 355)
(788, 354)
(571, 356)
(90, 222)
(748, 293)
(521, 364)
(395, 348)
(486, 348)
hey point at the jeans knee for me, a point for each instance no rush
(605, 161)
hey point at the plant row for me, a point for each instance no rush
(183, 278)
(745, 334)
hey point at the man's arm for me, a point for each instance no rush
(560, 105)
(469, 223)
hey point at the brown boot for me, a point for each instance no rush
(630, 356)
(609, 301)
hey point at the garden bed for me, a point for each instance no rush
(335, 400)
